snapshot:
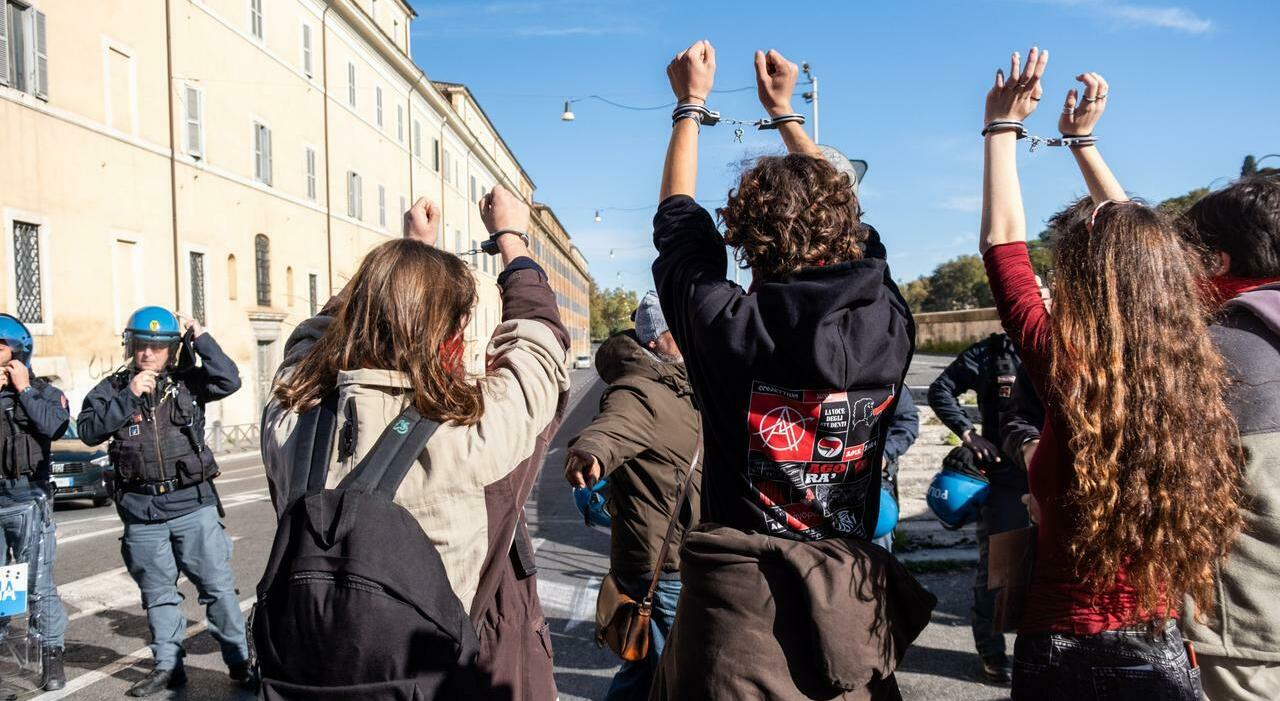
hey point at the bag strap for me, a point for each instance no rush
(675, 519)
(314, 443)
(392, 456)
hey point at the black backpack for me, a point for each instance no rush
(355, 603)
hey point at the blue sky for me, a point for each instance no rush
(1193, 89)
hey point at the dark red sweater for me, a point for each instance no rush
(1057, 601)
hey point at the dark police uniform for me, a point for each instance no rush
(29, 421)
(165, 495)
(989, 368)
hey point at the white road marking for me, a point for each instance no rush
(228, 502)
(137, 656)
(576, 602)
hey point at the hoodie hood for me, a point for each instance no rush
(1262, 302)
(622, 356)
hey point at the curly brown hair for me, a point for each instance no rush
(404, 310)
(1157, 459)
(792, 212)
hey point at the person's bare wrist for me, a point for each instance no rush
(692, 99)
(779, 110)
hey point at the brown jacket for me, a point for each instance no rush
(644, 438)
(469, 495)
(772, 618)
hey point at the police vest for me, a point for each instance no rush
(164, 444)
(22, 452)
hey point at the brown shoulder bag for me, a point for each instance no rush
(622, 623)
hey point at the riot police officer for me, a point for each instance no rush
(990, 368)
(34, 414)
(153, 412)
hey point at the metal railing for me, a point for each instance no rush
(235, 438)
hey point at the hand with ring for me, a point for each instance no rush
(1080, 114)
(1013, 100)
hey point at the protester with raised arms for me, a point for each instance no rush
(796, 381)
(1136, 479)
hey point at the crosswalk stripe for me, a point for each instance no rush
(229, 502)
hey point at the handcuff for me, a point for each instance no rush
(490, 245)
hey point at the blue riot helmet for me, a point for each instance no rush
(887, 520)
(152, 325)
(14, 333)
(590, 502)
(959, 490)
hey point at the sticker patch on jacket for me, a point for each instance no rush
(810, 456)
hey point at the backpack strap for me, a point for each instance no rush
(314, 445)
(392, 456)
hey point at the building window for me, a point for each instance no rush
(351, 83)
(262, 269)
(24, 57)
(261, 153)
(457, 242)
(26, 273)
(313, 293)
(121, 95)
(403, 206)
(473, 190)
(447, 169)
(355, 198)
(195, 121)
(232, 278)
(435, 155)
(255, 17)
(306, 51)
(311, 173)
(377, 97)
(382, 206)
(288, 286)
(400, 123)
(417, 138)
(195, 261)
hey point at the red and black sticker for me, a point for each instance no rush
(810, 456)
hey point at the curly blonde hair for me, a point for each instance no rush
(792, 212)
(1157, 458)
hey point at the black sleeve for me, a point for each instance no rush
(959, 377)
(105, 411)
(46, 405)
(1022, 419)
(217, 377)
(905, 427)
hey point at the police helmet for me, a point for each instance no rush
(152, 325)
(959, 490)
(590, 502)
(14, 333)
(887, 520)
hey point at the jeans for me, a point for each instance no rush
(1004, 511)
(196, 544)
(633, 680)
(1123, 664)
(26, 510)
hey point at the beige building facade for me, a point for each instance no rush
(234, 159)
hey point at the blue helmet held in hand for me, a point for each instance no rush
(959, 490)
(887, 520)
(17, 336)
(590, 502)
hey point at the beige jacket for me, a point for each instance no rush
(446, 496)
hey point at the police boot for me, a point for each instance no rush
(159, 680)
(244, 674)
(54, 677)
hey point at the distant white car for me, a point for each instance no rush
(582, 362)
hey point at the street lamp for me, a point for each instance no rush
(569, 117)
(811, 96)
(598, 218)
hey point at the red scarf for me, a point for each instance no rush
(1218, 290)
(451, 351)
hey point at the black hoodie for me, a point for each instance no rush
(793, 379)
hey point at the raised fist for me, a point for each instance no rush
(775, 82)
(692, 72)
(500, 209)
(422, 221)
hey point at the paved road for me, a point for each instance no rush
(106, 642)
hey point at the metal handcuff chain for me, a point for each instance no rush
(1066, 140)
(708, 117)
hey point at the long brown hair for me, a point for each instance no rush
(791, 212)
(405, 310)
(1157, 466)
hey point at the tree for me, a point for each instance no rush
(1175, 206)
(915, 293)
(1249, 167)
(960, 283)
(610, 310)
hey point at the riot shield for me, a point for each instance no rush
(22, 521)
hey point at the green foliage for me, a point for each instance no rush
(1175, 206)
(611, 310)
(960, 283)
